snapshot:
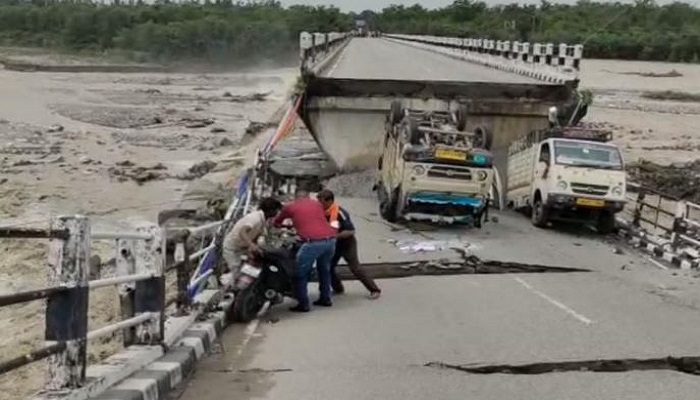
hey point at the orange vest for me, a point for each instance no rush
(332, 215)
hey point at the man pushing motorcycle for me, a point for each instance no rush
(317, 239)
(243, 237)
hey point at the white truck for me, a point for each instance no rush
(567, 174)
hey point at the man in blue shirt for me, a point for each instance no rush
(346, 245)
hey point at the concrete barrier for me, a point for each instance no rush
(541, 61)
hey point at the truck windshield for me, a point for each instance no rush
(587, 154)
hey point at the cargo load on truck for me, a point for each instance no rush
(432, 168)
(568, 173)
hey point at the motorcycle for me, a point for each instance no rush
(264, 280)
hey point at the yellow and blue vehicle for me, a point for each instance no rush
(433, 169)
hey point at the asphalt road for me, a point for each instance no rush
(625, 307)
(374, 58)
(365, 349)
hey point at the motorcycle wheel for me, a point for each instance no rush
(247, 304)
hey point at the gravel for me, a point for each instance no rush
(354, 184)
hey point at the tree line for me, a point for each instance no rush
(224, 31)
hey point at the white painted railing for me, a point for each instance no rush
(543, 61)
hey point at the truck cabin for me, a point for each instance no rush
(581, 147)
(450, 170)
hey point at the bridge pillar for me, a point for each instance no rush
(67, 311)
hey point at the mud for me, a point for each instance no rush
(119, 148)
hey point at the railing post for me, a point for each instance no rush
(149, 295)
(678, 223)
(66, 311)
(636, 219)
(126, 266)
(182, 258)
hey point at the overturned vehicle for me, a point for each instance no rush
(433, 169)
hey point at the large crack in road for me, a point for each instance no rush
(467, 265)
(687, 365)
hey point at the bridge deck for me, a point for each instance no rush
(373, 58)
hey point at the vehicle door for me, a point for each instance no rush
(390, 159)
(541, 173)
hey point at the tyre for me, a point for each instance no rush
(539, 213)
(414, 134)
(461, 117)
(478, 220)
(247, 303)
(387, 208)
(396, 112)
(606, 223)
(483, 138)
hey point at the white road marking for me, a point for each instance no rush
(657, 264)
(557, 303)
(248, 334)
(337, 62)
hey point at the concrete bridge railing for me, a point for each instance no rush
(664, 225)
(542, 61)
(317, 48)
(150, 324)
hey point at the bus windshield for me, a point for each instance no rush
(587, 154)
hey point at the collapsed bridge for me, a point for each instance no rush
(348, 87)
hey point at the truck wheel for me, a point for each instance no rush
(396, 112)
(461, 116)
(483, 138)
(387, 208)
(606, 223)
(539, 214)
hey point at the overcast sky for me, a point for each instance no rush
(360, 5)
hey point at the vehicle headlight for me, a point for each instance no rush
(561, 185)
(617, 191)
(482, 175)
(418, 170)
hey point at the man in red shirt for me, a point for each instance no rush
(318, 245)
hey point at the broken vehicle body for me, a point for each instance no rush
(432, 169)
(567, 174)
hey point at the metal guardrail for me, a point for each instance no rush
(674, 223)
(68, 292)
(140, 277)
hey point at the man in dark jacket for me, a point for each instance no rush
(346, 245)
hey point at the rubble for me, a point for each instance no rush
(55, 128)
(140, 175)
(255, 128)
(197, 122)
(198, 170)
(354, 184)
(262, 96)
(678, 180)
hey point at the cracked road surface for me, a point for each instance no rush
(560, 322)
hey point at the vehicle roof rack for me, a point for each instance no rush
(567, 132)
(581, 133)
